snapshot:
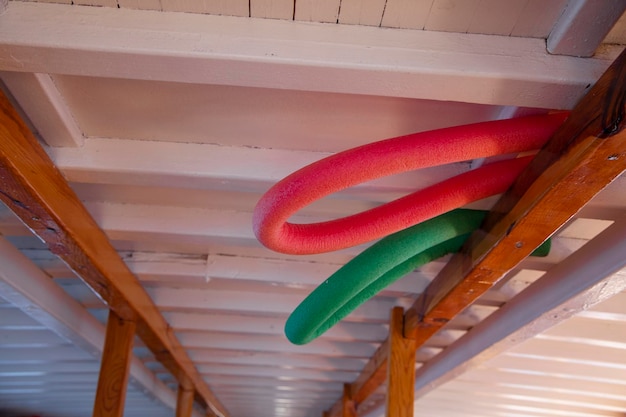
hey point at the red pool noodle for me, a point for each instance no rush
(392, 156)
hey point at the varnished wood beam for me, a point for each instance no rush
(373, 375)
(400, 368)
(184, 402)
(585, 155)
(114, 367)
(348, 408)
(32, 187)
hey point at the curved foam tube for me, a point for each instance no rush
(377, 267)
(387, 157)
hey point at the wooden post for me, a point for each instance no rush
(348, 408)
(115, 367)
(184, 402)
(400, 368)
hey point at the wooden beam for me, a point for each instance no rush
(348, 406)
(37, 193)
(400, 368)
(584, 156)
(184, 402)
(114, 367)
(271, 53)
(373, 375)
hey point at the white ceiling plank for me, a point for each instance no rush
(361, 12)
(213, 340)
(495, 17)
(277, 372)
(376, 308)
(452, 15)
(217, 7)
(268, 325)
(325, 11)
(140, 4)
(102, 3)
(272, 9)
(572, 286)
(292, 360)
(517, 368)
(406, 14)
(583, 26)
(28, 288)
(285, 385)
(38, 96)
(538, 18)
(228, 7)
(540, 393)
(222, 50)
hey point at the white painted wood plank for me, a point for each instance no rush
(544, 393)
(362, 12)
(512, 368)
(452, 15)
(229, 380)
(224, 50)
(103, 3)
(406, 14)
(368, 332)
(272, 9)
(277, 372)
(195, 340)
(199, 166)
(47, 110)
(325, 11)
(583, 26)
(122, 108)
(538, 18)
(170, 299)
(190, 6)
(228, 7)
(140, 4)
(277, 359)
(496, 17)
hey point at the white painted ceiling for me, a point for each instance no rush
(171, 157)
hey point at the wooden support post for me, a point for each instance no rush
(114, 367)
(184, 403)
(400, 368)
(348, 408)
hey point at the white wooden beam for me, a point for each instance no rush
(583, 26)
(572, 286)
(207, 166)
(108, 42)
(28, 288)
(42, 102)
